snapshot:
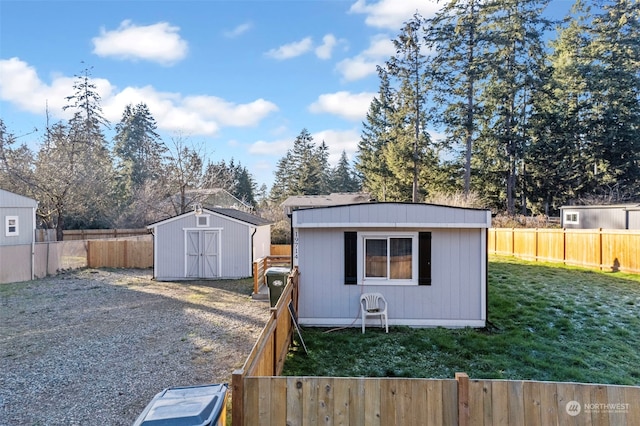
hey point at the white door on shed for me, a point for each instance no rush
(203, 254)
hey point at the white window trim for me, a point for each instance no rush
(571, 222)
(362, 280)
(9, 233)
(206, 216)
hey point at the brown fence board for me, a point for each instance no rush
(525, 243)
(499, 402)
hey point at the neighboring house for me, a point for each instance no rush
(615, 216)
(214, 197)
(211, 243)
(429, 262)
(297, 202)
(17, 239)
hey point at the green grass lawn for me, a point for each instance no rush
(547, 322)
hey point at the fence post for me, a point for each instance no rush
(237, 398)
(463, 399)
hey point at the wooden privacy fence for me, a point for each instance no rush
(605, 249)
(270, 350)
(101, 234)
(261, 265)
(120, 253)
(403, 401)
(280, 250)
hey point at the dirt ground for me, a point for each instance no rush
(95, 346)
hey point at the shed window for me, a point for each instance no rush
(202, 220)
(388, 258)
(11, 226)
(379, 258)
(572, 218)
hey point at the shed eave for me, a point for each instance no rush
(432, 225)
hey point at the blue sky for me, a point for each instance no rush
(236, 79)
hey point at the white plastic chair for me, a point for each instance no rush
(371, 305)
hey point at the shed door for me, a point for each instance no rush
(210, 251)
(202, 254)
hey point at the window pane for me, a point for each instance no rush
(376, 258)
(401, 258)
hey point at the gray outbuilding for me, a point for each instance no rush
(429, 262)
(613, 216)
(17, 238)
(209, 243)
(18, 215)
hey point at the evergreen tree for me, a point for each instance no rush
(559, 158)
(613, 127)
(343, 178)
(139, 152)
(307, 161)
(408, 66)
(515, 52)
(455, 36)
(376, 135)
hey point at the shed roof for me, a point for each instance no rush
(334, 199)
(241, 216)
(10, 199)
(233, 214)
(630, 206)
(391, 215)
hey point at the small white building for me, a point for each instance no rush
(17, 238)
(429, 262)
(213, 243)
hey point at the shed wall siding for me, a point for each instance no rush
(26, 227)
(634, 219)
(456, 292)
(236, 247)
(599, 218)
(392, 214)
(261, 242)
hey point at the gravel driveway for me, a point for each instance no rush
(94, 346)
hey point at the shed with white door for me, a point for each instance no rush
(209, 243)
(428, 261)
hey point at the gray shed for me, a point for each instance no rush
(429, 261)
(18, 214)
(613, 216)
(212, 243)
(17, 238)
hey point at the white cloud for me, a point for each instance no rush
(391, 14)
(239, 30)
(195, 114)
(291, 50)
(324, 51)
(21, 86)
(336, 140)
(364, 64)
(156, 43)
(275, 148)
(351, 106)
